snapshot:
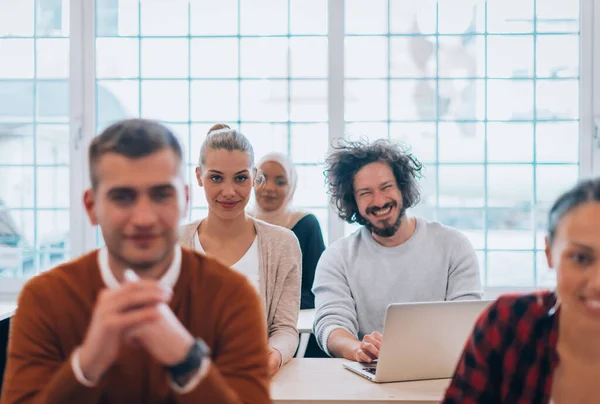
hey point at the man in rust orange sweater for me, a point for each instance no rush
(140, 320)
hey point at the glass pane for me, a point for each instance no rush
(308, 17)
(182, 133)
(214, 57)
(53, 101)
(264, 101)
(311, 187)
(510, 100)
(16, 144)
(542, 210)
(197, 195)
(52, 229)
(17, 229)
(557, 142)
(266, 138)
(308, 57)
(52, 59)
(366, 100)
(413, 56)
(52, 19)
(264, 17)
(366, 57)
(52, 144)
(456, 17)
(198, 133)
(510, 185)
(510, 228)
(420, 137)
(215, 100)
(557, 56)
(20, 54)
(17, 188)
(510, 268)
(470, 222)
(510, 56)
(366, 16)
(557, 99)
(117, 17)
(52, 187)
(165, 58)
(461, 142)
(19, 21)
(308, 101)
(116, 100)
(557, 16)
(461, 100)
(264, 57)
(366, 130)
(502, 138)
(164, 18)
(510, 16)
(21, 107)
(413, 17)
(458, 56)
(428, 185)
(210, 17)
(551, 181)
(546, 277)
(309, 143)
(117, 58)
(412, 100)
(165, 100)
(461, 186)
(51, 257)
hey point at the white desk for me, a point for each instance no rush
(325, 381)
(7, 310)
(306, 319)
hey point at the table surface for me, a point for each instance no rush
(325, 381)
(305, 321)
(7, 310)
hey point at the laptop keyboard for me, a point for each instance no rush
(370, 370)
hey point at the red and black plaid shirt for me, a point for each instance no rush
(511, 355)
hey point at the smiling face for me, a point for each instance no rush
(227, 178)
(575, 254)
(274, 189)
(379, 199)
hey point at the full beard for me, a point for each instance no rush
(388, 230)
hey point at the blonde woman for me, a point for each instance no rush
(268, 255)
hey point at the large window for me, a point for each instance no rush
(258, 65)
(485, 93)
(34, 135)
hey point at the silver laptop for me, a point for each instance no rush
(421, 341)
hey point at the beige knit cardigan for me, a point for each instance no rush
(280, 262)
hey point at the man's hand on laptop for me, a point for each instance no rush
(368, 350)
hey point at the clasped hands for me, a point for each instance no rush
(136, 312)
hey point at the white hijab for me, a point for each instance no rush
(284, 216)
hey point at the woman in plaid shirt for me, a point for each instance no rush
(544, 347)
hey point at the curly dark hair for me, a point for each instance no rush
(348, 157)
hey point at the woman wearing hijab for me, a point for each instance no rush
(274, 194)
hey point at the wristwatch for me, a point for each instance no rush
(193, 360)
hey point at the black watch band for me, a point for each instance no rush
(193, 360)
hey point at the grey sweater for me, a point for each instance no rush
(279, 262)
(357, 277)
